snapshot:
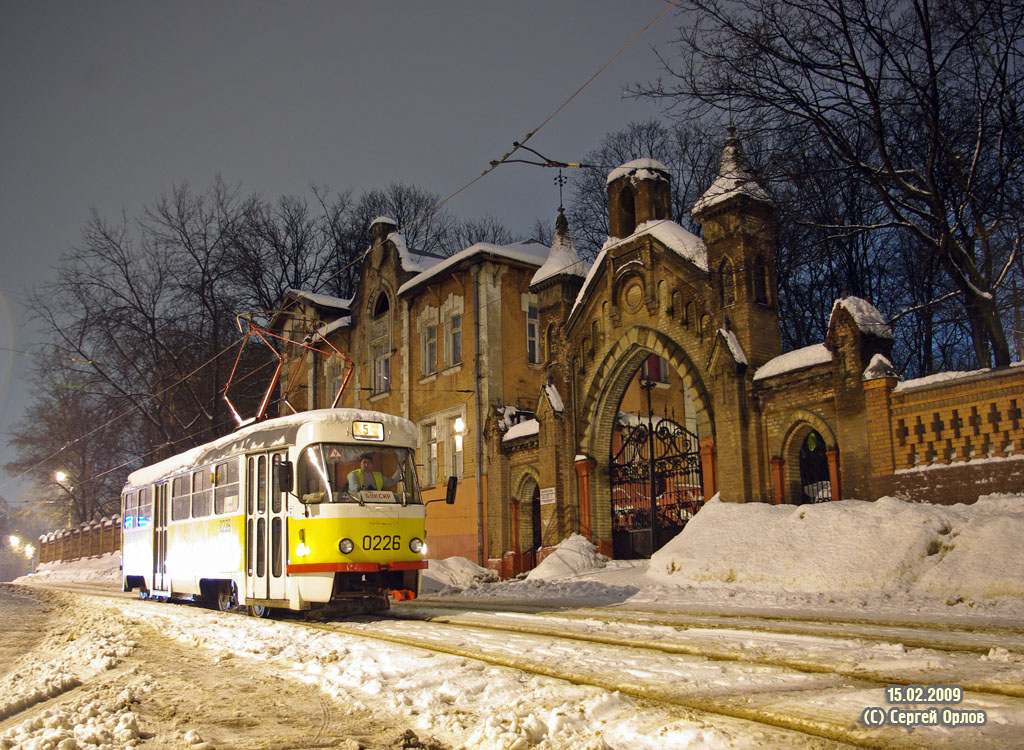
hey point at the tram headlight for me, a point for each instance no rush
(418, 546)
(302, 550)
(345, 546)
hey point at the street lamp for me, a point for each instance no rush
(61, 477)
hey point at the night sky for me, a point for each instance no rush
(107, 104)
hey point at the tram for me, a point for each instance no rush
(318, 511)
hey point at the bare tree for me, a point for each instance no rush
(933, 88)
(70, 445)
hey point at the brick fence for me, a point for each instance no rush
(947, 438)
(87, 540)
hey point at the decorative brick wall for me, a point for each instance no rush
(947, 439)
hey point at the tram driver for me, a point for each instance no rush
(365, 478)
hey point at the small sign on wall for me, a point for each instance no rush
(547, 496)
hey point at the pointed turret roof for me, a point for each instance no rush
(734, 178)
(563, 260)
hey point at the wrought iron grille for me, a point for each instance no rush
(659, 461)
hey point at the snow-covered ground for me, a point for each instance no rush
(887, 560)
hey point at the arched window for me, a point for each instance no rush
(380, 343)
(760, 281)
(727, 282)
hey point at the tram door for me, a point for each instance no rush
(160, 582)
(265, 524)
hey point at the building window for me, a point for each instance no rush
(655, 369)
(381, 369)
(532, 338)
(552, 343)
(430, 350)
(455, 339)
(456, 434)
(430, 454)
(728, 282)
(760, 281)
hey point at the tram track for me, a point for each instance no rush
(728, 644)
(813, 697)
(802, 681)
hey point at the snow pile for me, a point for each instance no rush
(981, 557)
(574, 555)
(102, 569)
(81, 724)
(956, 552)
(86, 644)
(455, 573)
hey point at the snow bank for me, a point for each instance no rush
(455, 572)
(102, 569)
(853, 547)
(87, 643)
(573, 556)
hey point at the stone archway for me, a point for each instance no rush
(601, 407)
(793, 479)
(527, 533)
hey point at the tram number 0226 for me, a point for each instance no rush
(383, 543)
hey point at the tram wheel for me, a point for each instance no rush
(258, 610)
(227, 598)
(143, 593)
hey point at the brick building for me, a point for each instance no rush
(565, 397)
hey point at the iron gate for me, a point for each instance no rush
(659, 460)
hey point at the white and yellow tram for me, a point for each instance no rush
(317, 511)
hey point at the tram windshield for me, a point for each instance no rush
(338, 473)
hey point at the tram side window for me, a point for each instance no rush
(181, 498)
(202, 501)
(226, 494)
(145, 516)
(131, 510)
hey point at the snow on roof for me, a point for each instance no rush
(563, 258)
(555, 398)
(642, 169)
(734, 178)
(879, 367)
(734, 345)
(327, 330)
(263, 435)
(523, 429)
(530, 252)
(939, 377)
(320, 300)
(865, 315)
(411, 261)
(798, 359)
(674, 237)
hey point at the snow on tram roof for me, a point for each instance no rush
(265, 435)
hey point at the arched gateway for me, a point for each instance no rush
(651, 353)
(664, 381)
